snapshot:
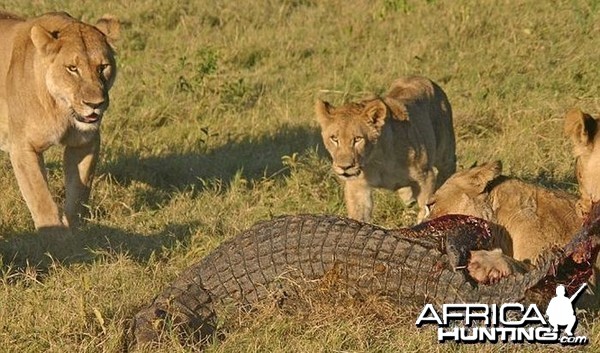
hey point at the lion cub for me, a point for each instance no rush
(55, 74)
(527, 218)
(402, 142)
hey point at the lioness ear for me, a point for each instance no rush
(42, 39)
(323, 111)
(111, 27)
(581, 127)
(485, 174)
(376, 112)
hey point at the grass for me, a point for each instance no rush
(211, 129)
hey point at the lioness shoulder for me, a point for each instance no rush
(403, 141)
(55, 75)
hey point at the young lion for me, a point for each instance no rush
(55, 74)
(527, 218)
(402, 142)
(583, 130)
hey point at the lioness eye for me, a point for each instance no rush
(358, 139)
(333, 139)
(102, 67)
(72, 68)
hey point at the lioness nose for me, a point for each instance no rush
(344, 166)
(94, 104)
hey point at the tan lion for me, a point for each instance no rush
(402, 142)
(527, 218)
(583, 130)
(55, 76)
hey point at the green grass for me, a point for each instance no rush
(211, 129)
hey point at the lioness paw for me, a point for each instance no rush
(488, 267)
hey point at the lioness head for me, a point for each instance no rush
(583, 130)
(350, 132)
(77, 64)
(466, 192)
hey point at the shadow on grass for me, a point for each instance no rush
(18, 251)
(254, 157)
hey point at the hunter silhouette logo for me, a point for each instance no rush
(560, 310)
(509, 322)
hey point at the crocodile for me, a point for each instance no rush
(422, 264)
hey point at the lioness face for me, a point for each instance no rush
(465, 193)
(349, 134)
(80, 70)
(583, 130)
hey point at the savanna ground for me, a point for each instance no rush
(211, 129)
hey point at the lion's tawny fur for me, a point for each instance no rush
(582, 128)
(55, 74)
(403, 142)
(527, 218)
(490, 266)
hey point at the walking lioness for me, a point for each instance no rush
(55, 74)
(402, 142)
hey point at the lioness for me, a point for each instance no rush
(55, 74)
(583, 130)
(402, 142)
(527, 218)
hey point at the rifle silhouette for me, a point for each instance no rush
(578, 292)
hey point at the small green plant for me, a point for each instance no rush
(207, 62)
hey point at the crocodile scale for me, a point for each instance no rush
(419, 264)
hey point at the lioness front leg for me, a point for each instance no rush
(30, 172)
(359, 201)
(426, 188)
(406, 195)
(79, 165)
